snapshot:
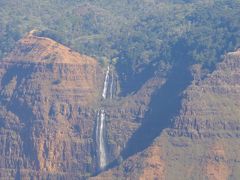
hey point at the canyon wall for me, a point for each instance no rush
(50, 100)
(203, 142)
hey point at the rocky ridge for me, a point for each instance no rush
(204, 140)
(50, 97)
(47, 94)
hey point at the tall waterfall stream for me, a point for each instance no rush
(100, 128)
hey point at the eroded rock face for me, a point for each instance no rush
(204, 141)
(48, 94)
(206, 132)
(50, 97)
(144, 165)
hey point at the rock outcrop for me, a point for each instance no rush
(48, 94)
(50, 97)
(204, 140)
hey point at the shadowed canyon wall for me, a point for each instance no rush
(171, 126)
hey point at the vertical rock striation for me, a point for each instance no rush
(49, 99)
(47, 96)
(204, 141)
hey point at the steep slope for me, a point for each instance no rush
(47, 96)
(51, 101)
(44, 50)
(204, 142)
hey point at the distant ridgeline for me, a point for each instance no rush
(141, 34)
(203, 30)
(55, 35)
(63, 113)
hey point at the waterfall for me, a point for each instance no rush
(111, 87)
(106, 82)
(100, 138)
(100, 128)
(102, 143)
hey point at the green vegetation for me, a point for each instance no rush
(139, 34)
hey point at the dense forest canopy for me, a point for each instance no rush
(137, 33)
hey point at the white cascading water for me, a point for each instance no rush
(111, 87)
(100, 125)
(106, 81)
(101, 140)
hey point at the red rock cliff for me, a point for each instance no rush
(48, 94)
